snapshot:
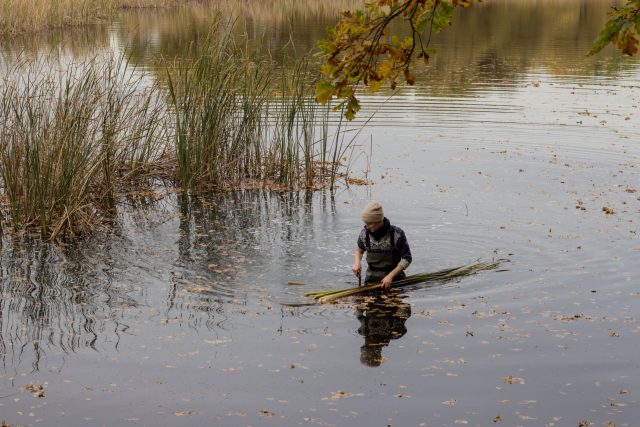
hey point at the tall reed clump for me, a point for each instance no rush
(218, 99)
(243, 121)
(296, 124)
(69, 139)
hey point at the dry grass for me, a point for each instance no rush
(28, 16)
(20, 16)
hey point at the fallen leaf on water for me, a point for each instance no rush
(525, 417)
(497, 419)
(584, 423)
(317, 421)
(357, 181)
(341, 394)
(402, 395)
(450, 402)
(553, 423)
(182, 413)
(224, 340)
(266, 413)
(630, 190)
(510, 379)
(461, 422)
(607, 210)
(36, 390)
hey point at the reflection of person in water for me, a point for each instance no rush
(381, 320)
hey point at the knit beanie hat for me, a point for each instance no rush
(372, 213)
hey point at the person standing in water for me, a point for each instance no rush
(386, 247)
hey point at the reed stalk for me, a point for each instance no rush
(333, 295)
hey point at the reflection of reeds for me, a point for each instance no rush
(51, 303)
(280, 12)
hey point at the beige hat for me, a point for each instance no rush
(372, 213)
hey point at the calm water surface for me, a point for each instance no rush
(510, 147)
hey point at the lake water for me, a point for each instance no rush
(510, 146)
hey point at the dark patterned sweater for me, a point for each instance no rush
(401, 244)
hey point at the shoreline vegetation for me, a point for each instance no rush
(32, 16)
(74, 142)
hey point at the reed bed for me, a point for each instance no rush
(242, 121)
(28, 16)
(69, 139)
(76, 137)
(20, 16)
(333, 295)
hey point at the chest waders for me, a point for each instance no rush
(381, 261)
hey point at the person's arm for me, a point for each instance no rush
(405, 259)
(357, 262)
(386, 281)
(357, 256)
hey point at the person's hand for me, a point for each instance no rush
(356, 269)
(386, 282)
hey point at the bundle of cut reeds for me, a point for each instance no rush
(446, 274)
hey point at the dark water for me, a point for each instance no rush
(510, 148)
